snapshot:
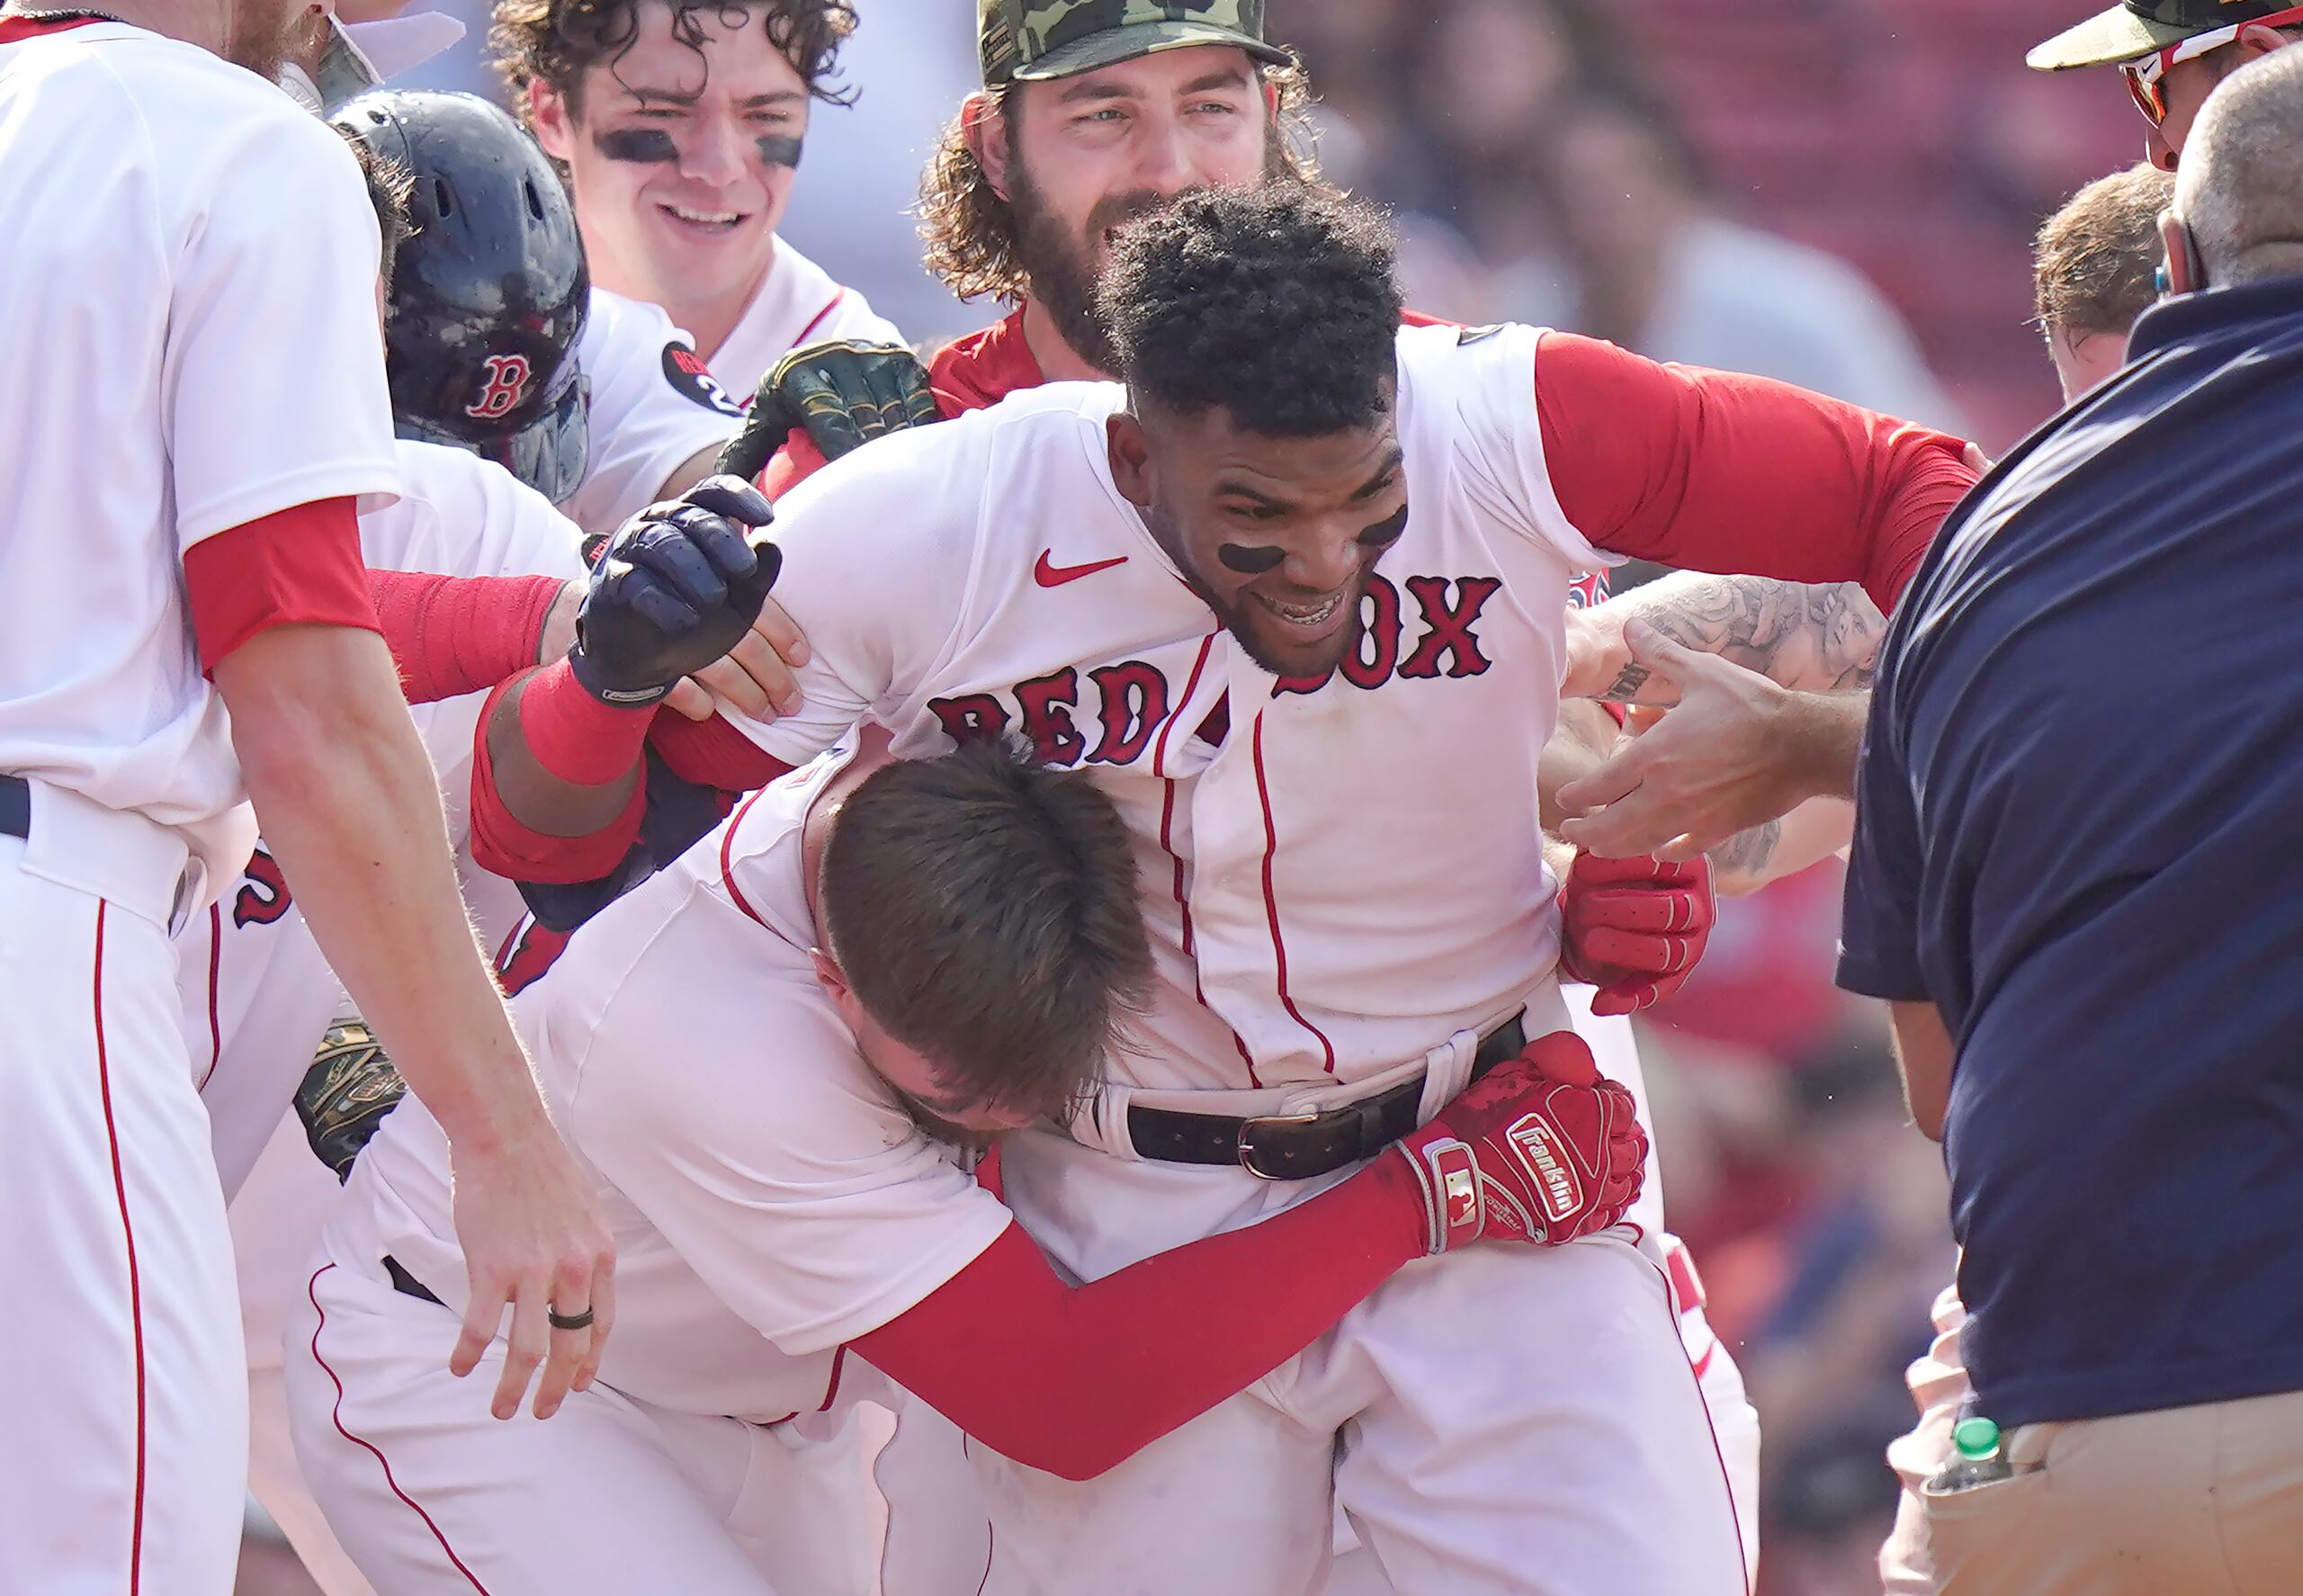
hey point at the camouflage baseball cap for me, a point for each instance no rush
(2137, 27)
(1032, 40)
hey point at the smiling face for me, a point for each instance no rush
(1278, 535)
(1077, 156)
(681, 154)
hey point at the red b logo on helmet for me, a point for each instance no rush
(508, 383)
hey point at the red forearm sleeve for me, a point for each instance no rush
(575, 736)
(790, 465)
(713, 753)
(501, 843)
(1076, 1379)
(453, 636)
(296, 567)
(1717, 472)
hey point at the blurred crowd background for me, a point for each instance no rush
(1839, 192)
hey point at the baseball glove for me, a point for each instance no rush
(841, 394)
(352, 1085)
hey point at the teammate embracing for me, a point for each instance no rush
(772, 1055)
(1294, 599)
(1094, 114)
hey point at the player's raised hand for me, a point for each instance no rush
(1736, 752)
(1545, 1149)
(533, 1236)
(1634, 928)
(673, 591)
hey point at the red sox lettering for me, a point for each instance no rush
(264, 897)
(1130, 700)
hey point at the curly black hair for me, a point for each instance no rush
(557, 42)
(1278, 302)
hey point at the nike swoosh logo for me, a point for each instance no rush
(1048, 574)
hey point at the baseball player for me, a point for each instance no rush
(1158, 584)
(680, 128)
(1091, 113)
(200, 249)
(897, 958)
(257, 993)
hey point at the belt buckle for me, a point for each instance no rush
(1247, 1150)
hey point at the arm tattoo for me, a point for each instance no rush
(1747, 852)
(1817, 638)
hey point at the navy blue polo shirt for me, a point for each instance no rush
(2080, 837)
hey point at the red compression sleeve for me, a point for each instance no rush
(575, 736)
(1719, 472)
(1076, 1379)
(453, 636)
(713, 753)
(295, 567)
(790, 465)
(500, 843)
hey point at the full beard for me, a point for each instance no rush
(265, 33)
(1062, 267)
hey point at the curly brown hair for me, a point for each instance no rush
(970, 231)
(557, 42)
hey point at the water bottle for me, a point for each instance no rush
(1977, 1458)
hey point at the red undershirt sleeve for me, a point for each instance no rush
(1075, 1379)
(1719, 472)
(453, 635)
(790, 465)
(501, 844)
(300, 566)
(713, 753)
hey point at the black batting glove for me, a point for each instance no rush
(843, 393)
(674, 589)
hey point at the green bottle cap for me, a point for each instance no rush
(1975, 1437)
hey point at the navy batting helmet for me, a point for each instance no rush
(487, 298)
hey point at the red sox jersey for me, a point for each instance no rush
(1339, 874)
(257, 994)
(771, 1197)
(130, 437)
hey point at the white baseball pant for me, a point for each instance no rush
(121, 1377)
(1503, 1419)
(428, 1492)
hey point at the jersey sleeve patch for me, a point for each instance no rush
(693, 380)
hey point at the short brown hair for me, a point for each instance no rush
(2094, 265)
(557, 42)
(984, 911)
(389, 186)
(971, 230)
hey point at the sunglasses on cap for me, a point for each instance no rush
(2143, 75)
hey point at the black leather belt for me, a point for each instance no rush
(406, 1283)
(15, 806)
(1298, 1146)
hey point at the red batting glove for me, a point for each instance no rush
(1632, 927)
(1542, 1149)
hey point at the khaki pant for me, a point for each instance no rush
(2203, 1500)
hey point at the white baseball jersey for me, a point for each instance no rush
(1354, 873)
(798, 303)
(257, 994)
(130, 433)
(656, 403)
(188, 265)
(771, 1197)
